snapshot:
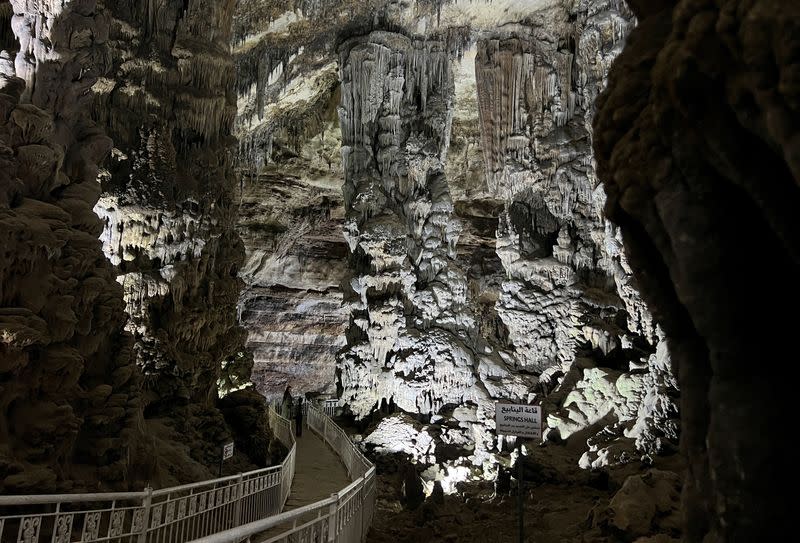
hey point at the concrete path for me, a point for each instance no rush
(318, 472)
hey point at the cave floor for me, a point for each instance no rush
(562, 506)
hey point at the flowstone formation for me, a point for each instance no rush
(69, 405)
(169, 210)
(567, 301)
(697, 145)
(569, 329)
(479, 265)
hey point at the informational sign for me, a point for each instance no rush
(227, 450)
(518, 420)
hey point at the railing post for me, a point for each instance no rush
(240, 497)
(146, 504)
(363, 508)
(332, 518)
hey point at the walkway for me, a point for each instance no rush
(318, 472)
(322, 504)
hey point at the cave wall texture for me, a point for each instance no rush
(117, 123)
(70, 408)
(697, 145)
(169, 213)
(476, 263)
(417, 224)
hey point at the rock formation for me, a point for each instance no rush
(481, 266)
(169, 210)
(291, 199)
(69, 405)
(296, 260)
(82, 399)
(422, 334)
(409, 294)
(696, 140)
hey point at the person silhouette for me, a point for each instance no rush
(286, 404)
(298, 418)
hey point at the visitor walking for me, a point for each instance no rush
(298, 418)
(286, 404)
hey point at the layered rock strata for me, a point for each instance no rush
(697, 146)
(291, 227)
(69, 406)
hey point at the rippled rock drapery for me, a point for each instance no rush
(409, 295)
(446, 314)
(69, 405)
(697, 145)
(169, 211)
(567, 312)
(568, 302)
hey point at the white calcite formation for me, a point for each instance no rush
(480, 265)
(395, 120)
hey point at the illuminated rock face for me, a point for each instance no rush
(478, 262)
(169, 208)
(69, 404)
(169, 192)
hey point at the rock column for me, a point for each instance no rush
(697, 146)
(169, 210)
(69, 401)
(409, 323)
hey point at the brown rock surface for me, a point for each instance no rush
(697, 145)
(69, 403)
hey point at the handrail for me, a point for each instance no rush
(343, 517)
(172, 515)
(38, 499)
(226, 509)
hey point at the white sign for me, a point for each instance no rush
(518, 420)
(227, 450)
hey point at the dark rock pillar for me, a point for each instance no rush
(69, 405)
(697, 144)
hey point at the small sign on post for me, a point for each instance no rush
(520, 420)
(227, 452)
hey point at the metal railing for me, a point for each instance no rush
(344, 517)
(169, 515)
(329, 407)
